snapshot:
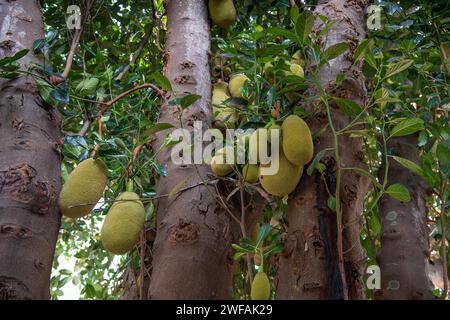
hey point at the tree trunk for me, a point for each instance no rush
(191, 258)
(309, 264)
(403, 258)
(29, 164)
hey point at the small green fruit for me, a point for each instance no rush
(297, 141)
(260, 287)
(250, 173)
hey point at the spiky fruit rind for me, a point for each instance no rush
(123, 224)
(250, 173)
(84, 188)
(236, 83)
(260, 287)
(297, 140)
(285, 180)
(222, 12)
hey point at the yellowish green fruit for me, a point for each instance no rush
(285, 180)
(236, 83)
(222, 12)
(218, 165)
(224, 117)
(84, 188)
(123, 224)
(297, 140)
(260, 287)
(297, 70)
(250, 173)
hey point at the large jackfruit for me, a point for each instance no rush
(123, 224)
(297, 140)
(260, 287)
(222, 12)
(84, 188)
(285, 180)
(236, 83)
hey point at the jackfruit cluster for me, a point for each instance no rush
(123, 224)
(83, 189)
(222, 12)
(260, 287)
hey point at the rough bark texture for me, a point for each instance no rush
(309, 264)
(403, 258)
(191, 259)
(29, 164)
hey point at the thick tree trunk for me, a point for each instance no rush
(403, 258)
(191, 257)
(29, 164)
(309, 264)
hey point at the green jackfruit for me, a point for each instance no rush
(250, 173)
(123, 224)
(297, 140)
(222, 169)
(222, 12)
(84, 188)
(260, 287)
(224, 117)
(285, 180)
(236, 83)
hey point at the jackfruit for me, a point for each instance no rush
(222, 169)
(84, 188)
(285, 180)
(250, 173)
(297, 140)
(236, 83)
(123, 224)
(260, 287)
(222, 12)
(224, 117)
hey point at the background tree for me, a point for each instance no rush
(30, 156)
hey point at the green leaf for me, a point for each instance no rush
(335, 51)
(294, 13)
(316, 160)
(189, 100)
(408, 164)
(443, 154)
(304, 25)
(361, 50)
(157, 128)
(407, 127)
(349, 107)
(18, 55)
(162, 81)
(263, 233)
(399, 192)
(398, 67)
